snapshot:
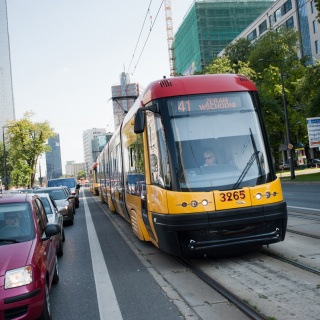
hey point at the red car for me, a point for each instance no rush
(28, 261)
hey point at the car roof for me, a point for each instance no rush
(50, 188)
(16, 197)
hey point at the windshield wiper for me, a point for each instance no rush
(246, 169)
(254, 156)
(10, 240)
(256, 152)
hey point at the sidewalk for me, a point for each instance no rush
(298, 172)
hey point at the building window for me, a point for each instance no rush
(271, 20)
(263, 26)
(316, 46)
(287, 6)
(277, 14)
(314, 23)
(252, 35)
(290, 23)
(312, 6)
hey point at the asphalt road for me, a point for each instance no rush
(302, 195)
(101, 277)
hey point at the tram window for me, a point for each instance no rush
(158, 155)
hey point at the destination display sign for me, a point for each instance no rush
(209, 103)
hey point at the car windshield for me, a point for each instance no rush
(15, 223)
(56, 194)
(229, 134)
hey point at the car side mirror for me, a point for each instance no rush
(50, 230)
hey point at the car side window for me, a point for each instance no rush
(41, 216)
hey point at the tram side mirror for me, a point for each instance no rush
(139, 118)
(139, 122)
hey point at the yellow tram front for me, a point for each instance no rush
(209, 181)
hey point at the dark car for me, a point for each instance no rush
(54, 216)
(29, 264)
(63, 200)
(67, 182)
(315, 163)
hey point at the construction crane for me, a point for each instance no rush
(169, 26)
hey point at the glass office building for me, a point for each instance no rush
(209, 27)
(53, 158)
(7, 111)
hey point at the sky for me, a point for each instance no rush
(66, 55)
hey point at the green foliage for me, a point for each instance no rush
(239, 51)
(27, 142)
(224, 65)
(307, 88)
(81, 174)
(317, 5)
(275, 45)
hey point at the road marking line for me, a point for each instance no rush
(107, 300)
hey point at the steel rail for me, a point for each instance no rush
(289, 261)
(244, 307)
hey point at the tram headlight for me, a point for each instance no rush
(258, 196)
(268, 195)
(205, 202)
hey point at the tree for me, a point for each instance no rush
(27, 142)
(317, 4)
(238, 51)
(280, 45)
(224, 65)
(307, 88)
(81, 175)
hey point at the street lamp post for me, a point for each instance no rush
(289, 145)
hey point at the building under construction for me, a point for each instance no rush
(123, 96)
(209, 27)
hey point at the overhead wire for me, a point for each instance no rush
(144, 21)
(147, 36)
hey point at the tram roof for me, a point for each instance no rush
(199, 84)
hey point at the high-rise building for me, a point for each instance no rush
(7, 111)
(123, 96)
(98, 143)
(209, 26)
(53, 158)
(87, 137)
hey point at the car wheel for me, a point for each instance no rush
(60, 248)
(46, 312)
(71, 221)
(55, 279)
(77, 203)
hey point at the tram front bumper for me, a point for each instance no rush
(220, 232)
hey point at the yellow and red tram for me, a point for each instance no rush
(154, 173)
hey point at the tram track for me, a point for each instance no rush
(249, 311)
(290, 261)
(304, 234)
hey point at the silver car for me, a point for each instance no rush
(54, 217)
(64, 201)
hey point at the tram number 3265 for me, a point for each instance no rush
(231, 196)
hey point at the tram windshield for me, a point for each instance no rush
(218, 142)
